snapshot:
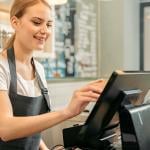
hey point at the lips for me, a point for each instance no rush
(42, 39)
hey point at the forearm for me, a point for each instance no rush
(17, 127)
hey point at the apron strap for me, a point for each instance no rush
(44, 90)
(12, 68)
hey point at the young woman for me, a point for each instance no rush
(24, 101)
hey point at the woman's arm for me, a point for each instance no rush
(12, 127)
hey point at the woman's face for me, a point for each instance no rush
(34, 27)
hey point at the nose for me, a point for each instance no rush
(45, 29)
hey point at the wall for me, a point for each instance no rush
(131, 34)
(4, 18)
(146, 36)
(119, 35)
(111, 32)
(144, 1)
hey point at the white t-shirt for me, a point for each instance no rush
(24, 87)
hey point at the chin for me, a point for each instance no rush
(39, 48)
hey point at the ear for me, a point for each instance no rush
(14, 22)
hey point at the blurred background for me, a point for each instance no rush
(91, 38)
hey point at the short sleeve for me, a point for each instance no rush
(3, 79)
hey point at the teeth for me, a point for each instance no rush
(41, 39)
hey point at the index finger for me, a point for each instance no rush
(97, 81)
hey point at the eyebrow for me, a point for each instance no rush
(50, 21)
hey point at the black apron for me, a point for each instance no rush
(25, 106)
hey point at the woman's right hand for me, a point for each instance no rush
(83, 96)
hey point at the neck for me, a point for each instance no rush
(22, 54)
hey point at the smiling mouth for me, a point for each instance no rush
(41, 39)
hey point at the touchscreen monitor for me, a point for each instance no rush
(110, 100)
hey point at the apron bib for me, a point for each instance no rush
(25, 106)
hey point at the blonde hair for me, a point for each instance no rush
(18, 9)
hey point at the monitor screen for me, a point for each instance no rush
(110, 100)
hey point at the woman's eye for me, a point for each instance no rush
(49, 26)
(36, 23)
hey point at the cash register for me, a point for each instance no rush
(123, 96)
